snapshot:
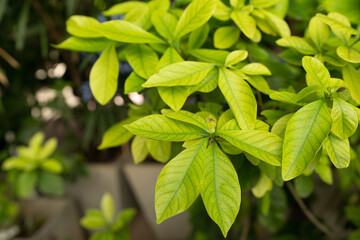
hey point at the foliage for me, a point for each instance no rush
(105, 223)
(33, 168)
(9, 209)
(196, 54)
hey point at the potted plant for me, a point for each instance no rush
(33, 173)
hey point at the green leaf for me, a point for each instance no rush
(284, 96)
(209, 83)
(159, 150)
(52, 184)
(139, 149)
(304, 185)
(52, 165)
(220, 190)
(210, 55)
(263, 3)
(133, 83)
(83, 26)
(260, 84)
(93, 220)
(298, 43)
(255, 69)
(338, 150)
(348, 54)
(317, 73)
(195, 15)
(180, 181)
(240, 98)
(308, 91)
(104, 75)
(351, 77)
(165, 24)
(187, 117)
(304, 134)
(279, 126)
(263, 145)
(277, 24)
(245, 22)
(116, 135)
(84, 44)
(225, 37)
(198, 37)
(142, 59)
(318, 32)
(123, 7)
(170, 56)
(162, 128)
(237, 3)
(341, 28)
(323, 168)
(179, 74)
(48, 148)
(174, 97)
(123, 219)
(123, 31)
(25, 184)
(344, 118)
(107, 207)
(140, 16)
(235, 57)
(222, 12)
(262, 186)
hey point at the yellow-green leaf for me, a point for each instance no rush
(225, 37)
(107, 207)
(210, 55)
(187, 117)
(240, 98)
(123, 31)
(160, 127)
(133, 83)
(344, 119)
(351, 77)
(235, 57)
(220, 190)
(195, 15)
(83, 26)
(174, 97)
(179, 74)
(263, 145)
(104, 75)
(318, 31)
(180, 181)
(159, 150)
(298, 43)
(165, 24)
(278, 24)
(139, 149)
(84, 44)
(245, 22)
(142, 59)
(255, 69)
(304, 135)
(123, 7)
(338, 150)
(348, 54)
(116, 135)
(317, 73)
(170, 56)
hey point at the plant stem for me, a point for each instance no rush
(308, 213)
(260, 101)
(9, 59)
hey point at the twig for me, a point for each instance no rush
(245, 227)
(260, 101)
(9, 59)
(308, 213)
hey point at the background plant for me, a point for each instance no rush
(104, 221)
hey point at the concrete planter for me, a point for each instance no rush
(102, 177)
(142, 179)
(60, 216)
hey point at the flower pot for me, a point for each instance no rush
(142, 179)
(60, 218)
(101, 178)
